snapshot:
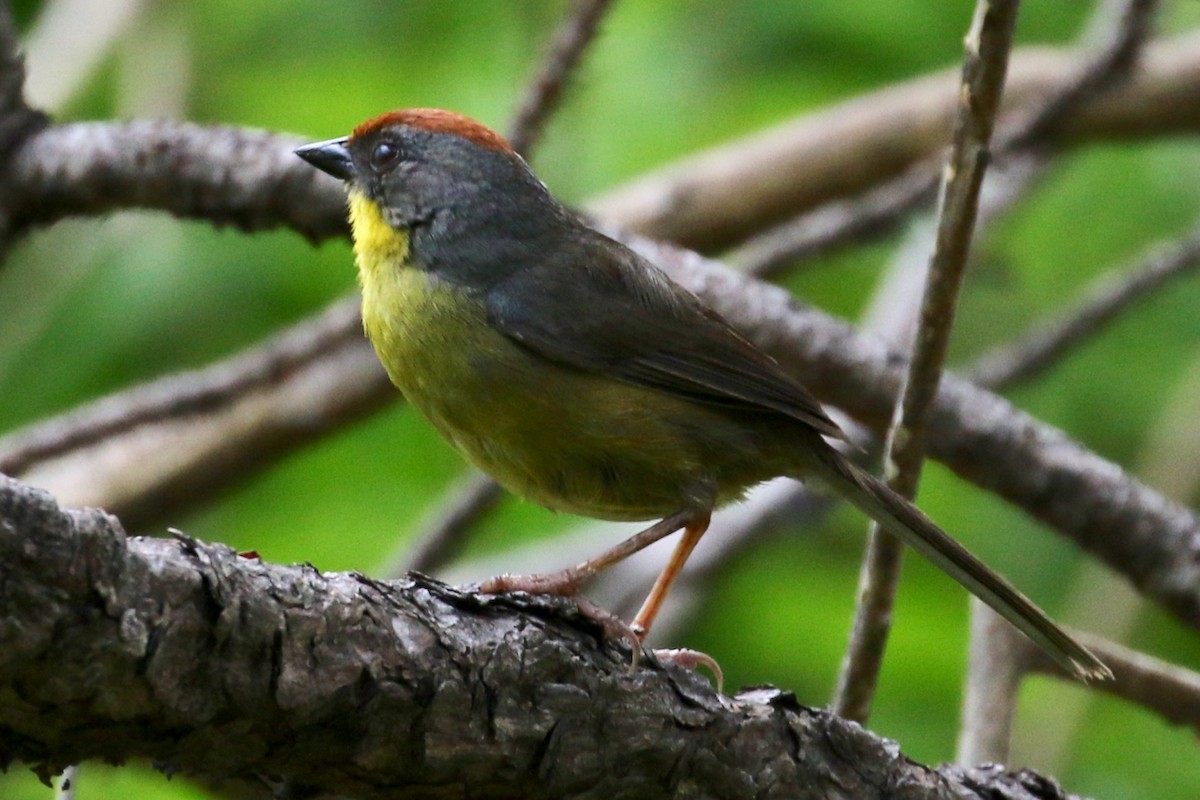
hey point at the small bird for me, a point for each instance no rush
(578, 374)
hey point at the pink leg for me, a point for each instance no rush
(692, 532)
(569, 581)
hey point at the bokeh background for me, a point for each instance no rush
(92, 306)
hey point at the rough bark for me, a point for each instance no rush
(227, 668)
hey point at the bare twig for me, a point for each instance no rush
(714, 198)
(1100, 304)
(1126, 26)
(988, 44)
(995, 669)
(17, 120)
(570, 42)
(839, 222)
(470, 500)
(154, 450)
(993, 681)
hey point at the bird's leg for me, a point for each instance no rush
(569, 581)
(693, 529)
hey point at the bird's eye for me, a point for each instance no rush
(384, 156)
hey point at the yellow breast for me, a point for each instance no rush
(564, 438)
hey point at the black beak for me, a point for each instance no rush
(331, 156)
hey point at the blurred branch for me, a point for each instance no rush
(881, 208)
(711, 199)
(185, 394)
(1001, 657)
(994, 669)
(1125, 27)
(838, 222)
(85, 30)
(1100, 304)
(571, 40)
(994, 673)
(987, 44)
(337, 683)
(982, 437)
(1170, 691)
(442, 539)
(17, 120)
(151, 451)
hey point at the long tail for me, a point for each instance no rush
(904, 520)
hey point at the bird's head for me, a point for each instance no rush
(437, 179)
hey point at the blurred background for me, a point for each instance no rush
(88, 307)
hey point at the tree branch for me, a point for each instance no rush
(227, 176)
(228, 668)
(149, 452)
(1100, 303)
(717, 197)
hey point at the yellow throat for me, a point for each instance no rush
(376, 243)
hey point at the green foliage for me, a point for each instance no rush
(89, 307)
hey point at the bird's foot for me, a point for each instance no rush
(693, 659)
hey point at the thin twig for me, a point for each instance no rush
(995, 667)
(1100, 304)
(17, 120)
(442, 539)
(988, 44)
(873, 213)
(1125, 30)
(571, 40)
(993, 682)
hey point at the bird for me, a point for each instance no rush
(579, 375)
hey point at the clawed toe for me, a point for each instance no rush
(613, 626)
(692, 659)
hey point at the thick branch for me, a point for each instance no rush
(224, 667)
